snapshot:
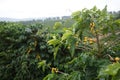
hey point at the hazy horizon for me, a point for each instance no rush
(20, 9)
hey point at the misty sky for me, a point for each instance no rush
(49, 8)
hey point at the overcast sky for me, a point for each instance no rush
(49, 8)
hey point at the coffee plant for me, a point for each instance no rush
(89, 49)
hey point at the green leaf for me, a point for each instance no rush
(57, 25)
(66, 35)
(56, 51)
(53, 42)
(76, 27)
(42, 64)
(49, 77)
(117, 22)
(74, 60)
(76, 15)
(75, 75)
(72, 45)
(111, 69)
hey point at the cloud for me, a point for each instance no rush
(45, 8)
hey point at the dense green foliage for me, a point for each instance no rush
(80, 48)
(19, 48)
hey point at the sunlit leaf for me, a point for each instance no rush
(56, 51)
(49, 77)
(42, 64)
(67, 34)
(111, 69)
(53, 42)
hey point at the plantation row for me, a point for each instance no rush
(86, 49)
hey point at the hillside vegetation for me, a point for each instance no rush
(83, 47)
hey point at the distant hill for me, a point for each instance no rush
(14, 20)
(32, 19)
(8, 19)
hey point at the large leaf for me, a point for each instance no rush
(111, 69)
(49, 77)
(76, 15)
(42, 64)
(66, 35)
(56, 51)
(53, 42)
(75, 75)
(57, 25)
(72, 45)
